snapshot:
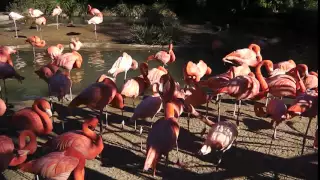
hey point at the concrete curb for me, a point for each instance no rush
(116, 46)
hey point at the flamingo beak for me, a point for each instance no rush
(49, 112)
(23, 152)
(205, 150)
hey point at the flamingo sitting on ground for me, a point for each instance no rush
(35, 41)
(242, 88)
(57, 165)
(3, 107)
(5, 54)
(15, 16)
(35, 13)
(55, 51)
(164, 57)
(220, 138)
(86, 141)
(40, 21)
(69, 61)
(7, 71)
(250, 56)
(93, 11)
(97, 96)
(194, 72)
(75, 44)
(97, 19)
(123, 64)
(56, 12)
(9, 156)
(36, 118)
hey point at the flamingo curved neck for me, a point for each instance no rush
(32, 145)
(88, 132)
(47, 124)
(259, 76)
(299, 82)
(16, 160)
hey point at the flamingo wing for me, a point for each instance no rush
(60, 85)
(148, 107)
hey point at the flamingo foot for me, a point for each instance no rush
(122, 124)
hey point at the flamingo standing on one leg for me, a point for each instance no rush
(57, 165)
(93, 11)
(9, 156)
(7, 71)
(36, 119)
(250, 56)
(15, 16)
(86, 141)
(97, 96)
(35, 41)
(164, 57)
(55, 51)
(56, 12)
(40, 21)
(97, 19)
(69, 61)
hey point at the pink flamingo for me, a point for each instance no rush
(7, 71)
(242, 88)
(39, 22)
(36, 118)
(69, 61)
(75, 44)
(194, 72)
(220, 138)
(97, 96)
(10, 156)
(56, 12)
(55, 51)
(164, 57)
(5, 54)
(35, 41)
(97, 19)
(86, 141)
(155, 74)
(310, 79)
(123, 64)
(57, 165)
(283, 67)
(250, 56)
(93, 11)
(35, 13)
(3, 107)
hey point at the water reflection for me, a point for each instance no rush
(19, 63)
(96, 60)
(77, 76)
(40, 59)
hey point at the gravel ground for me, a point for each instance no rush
(252, 157)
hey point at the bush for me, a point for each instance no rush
(125, 10)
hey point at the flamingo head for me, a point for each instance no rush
(61, 47)
(92, 123)
(256, 48)
(191, 72)
(134, 64)
(30, 10)
(44, 105)
(304, 69)
(170, 47)
(89, 7)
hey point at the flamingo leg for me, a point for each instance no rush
(188, 120)
(40, 32)
(5, 90)
(101, 122)
(37, 27)
(305, 136)
(70, 88)
(62, 121)
(207, 105)
(275, 131)
(152, 120)
(34, 52)
(219, 101)
(141, 130)
(15, 28)
(57, 21)
(37, 177)
(106, 119)
(1, 93)
(267, 100)
(95, 31)
(135, 125)
(238, 113)
(234, 110)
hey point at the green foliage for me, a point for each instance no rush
(286, 5)
(125, 10)
(70, 7)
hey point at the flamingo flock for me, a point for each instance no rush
(68, 152)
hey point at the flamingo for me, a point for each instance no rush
(47, 71)
(35, 13)
(3, 107)
(242, 88)
(69, 61)
(9, 156)
(283, 67)
(55, 51)
(250, 56)
(35, 41)
(15, 16)
(276, 109)
(36, 118)
(137, 85)
(123, 64)
(75, 44)
(39, 22)
(155, 74)
(86, 141)
(57, 165)
(219, 139)
(7, 71)
(310, 79)
(97, 19)
(59, 85)
(56, 12)
(97, 96)
(194, 72)
(93, 11)
(5, 54)
(164, 57)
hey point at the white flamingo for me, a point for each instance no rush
(35, 13)
(15, 16)
(56, 12)
(97, 19)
